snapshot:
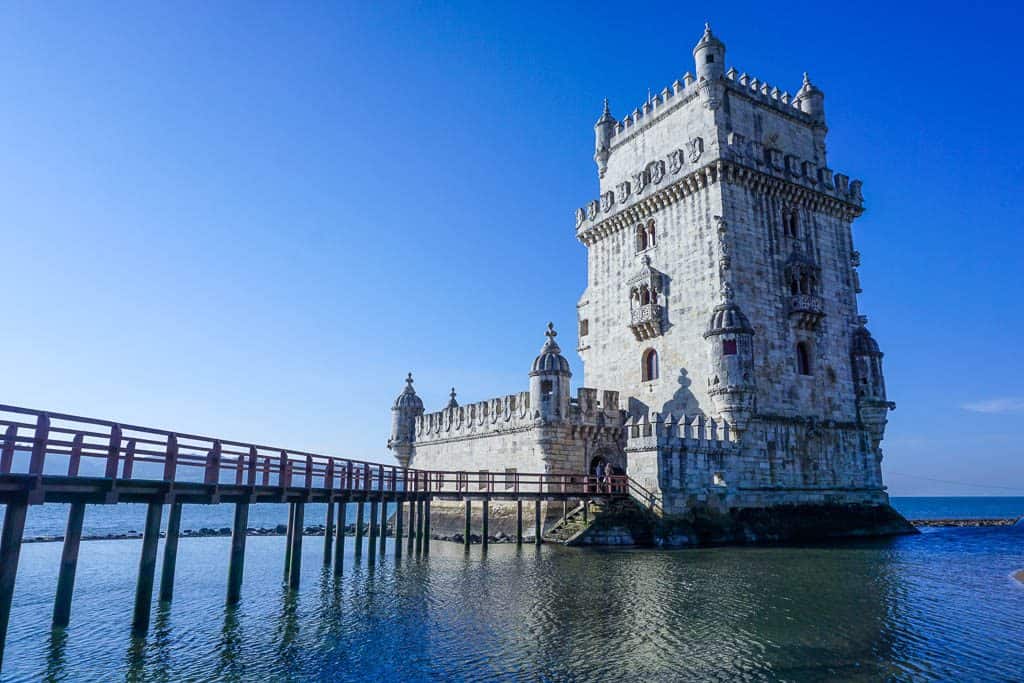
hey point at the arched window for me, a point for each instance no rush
(641, 238)
(649, 362)
(651, 240)
(803, 358)
(645, 295)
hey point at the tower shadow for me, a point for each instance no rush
(683, 402)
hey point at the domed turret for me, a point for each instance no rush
(811, 100)
(603, 131)
(549, 381)
(407, 407)
(709, 56)
(869, 383)
(731, 347)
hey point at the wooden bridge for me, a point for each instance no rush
(50, 457)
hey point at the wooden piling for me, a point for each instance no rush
(295, 566)
(147, 567)
(486, 518)
(339, 539)
(328, 532)
(359, 528)
(398, 527)
(68, 565)
(289, 539)
(236, 561)
(383, 525)
(170, 553)
(412, 527)
(419, 527)
(467, 531)
(519, 522)
(372, 541)
(10, 550)
(537, 537)
(426, 527)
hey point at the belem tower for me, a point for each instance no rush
(727, 368)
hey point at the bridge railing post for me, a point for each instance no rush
(76, 455)
(266, 470)
(366, 476)
(171, 458)
(212, 475)
(329, 475)
(7, 455)
(309, 472)
(38, 458)
(284, 474)
(253, 458)
(239, 469)
(129, 460)
(113, 452)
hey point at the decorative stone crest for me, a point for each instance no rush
(592, 208)
(640, 181)
(607, 201)
(656, 171)
(581, 215)
(694, 148)
(623, 190)
(675, 161)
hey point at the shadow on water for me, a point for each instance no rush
(230, 664)
(55, 659)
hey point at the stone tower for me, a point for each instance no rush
(721, 296)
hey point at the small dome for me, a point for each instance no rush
(606, 115)
(408, 400)
(807, 88)
(864, 344)
(708, 39)
(550, 360)
(727, 318)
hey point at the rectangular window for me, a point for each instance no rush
(546, 387)
(728, 347)
(584, 327)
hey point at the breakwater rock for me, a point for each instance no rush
(963, 522)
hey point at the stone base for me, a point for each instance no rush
(448, 518)
(781, 524)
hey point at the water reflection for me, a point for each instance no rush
(939, 606)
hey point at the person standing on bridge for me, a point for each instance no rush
(600, 475)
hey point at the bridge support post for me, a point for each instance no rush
(289, 539)
(372, 542)
(586, 511)
(398, 527)
(339, 539)
(409, 547)
(147, 567)
(10, 550)
(170, 553)
(359, 528)
(519, 522)
(328, 531)
(426, 527)
(295, 566)
(236, 561)
(469, 526)
(419, 526)
(383, 526)
(537, 537)
(68, 565)
(486, 530)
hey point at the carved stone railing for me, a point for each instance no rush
(806, 310)
(645, 321)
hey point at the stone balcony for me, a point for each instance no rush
(645, 321)
(806, 311)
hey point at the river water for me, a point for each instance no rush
(939, 606)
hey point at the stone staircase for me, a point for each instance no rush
(619, 521)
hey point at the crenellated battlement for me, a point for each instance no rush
(693, 432)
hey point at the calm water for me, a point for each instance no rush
(939, 606)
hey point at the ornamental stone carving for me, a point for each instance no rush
(607, 201)
(592, 208)
(623, 190)
(675, 161)
(656, 171)
(640, 181)
(694, 148)
(581, 216)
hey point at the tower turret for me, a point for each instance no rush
(603, 131)
(872, 406)
(549, 381)
(811, 100)
(407, 407)
(731, 385)
(709, 56)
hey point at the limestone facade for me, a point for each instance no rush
(720, 305)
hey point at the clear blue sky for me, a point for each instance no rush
(252, 220)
